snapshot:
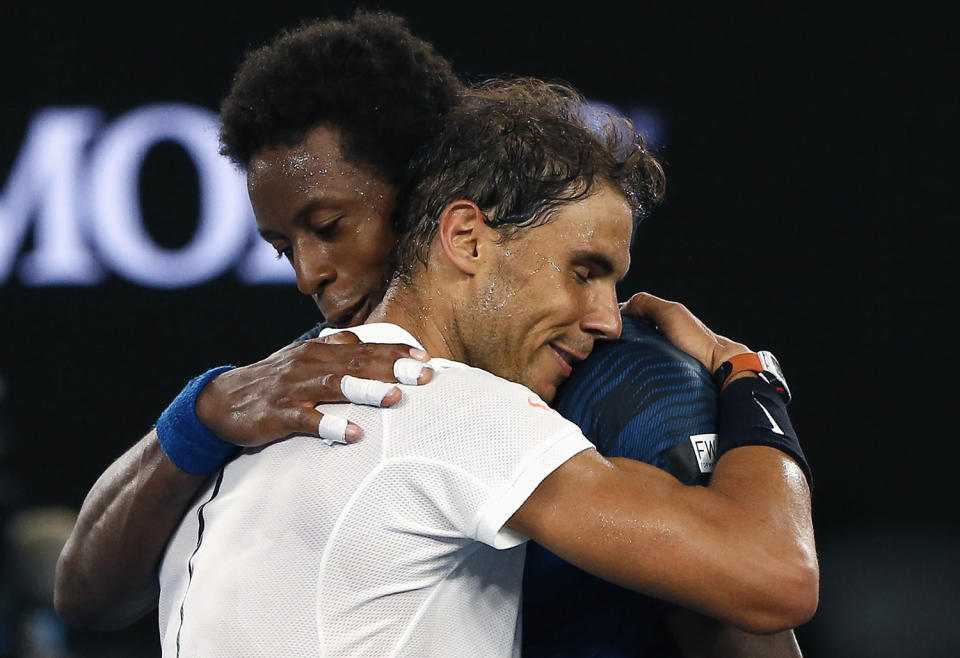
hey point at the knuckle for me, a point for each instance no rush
(329, 381)
(302, 417)
(316, 348)
(355, 364)
(285, 375)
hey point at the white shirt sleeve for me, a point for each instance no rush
(504, 501)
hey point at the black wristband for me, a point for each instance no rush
(752, 413)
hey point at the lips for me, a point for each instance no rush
(566, 358)
(349, 316)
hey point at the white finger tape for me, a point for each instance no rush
(332, 429)
(364, 391)
(407, 371)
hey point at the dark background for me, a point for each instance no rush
(810, 157)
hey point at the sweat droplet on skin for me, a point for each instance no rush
(298, 161)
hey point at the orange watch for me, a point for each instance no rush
(763, 363)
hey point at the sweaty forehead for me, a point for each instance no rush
(315, 160)
(603, 223)
(282, 179)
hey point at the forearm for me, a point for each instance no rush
(756, 520)
(741, 550)
(106, 575)
(700, 637)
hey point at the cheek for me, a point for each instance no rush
(367, 249)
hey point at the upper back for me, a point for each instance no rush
(386, 546)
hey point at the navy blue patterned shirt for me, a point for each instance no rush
(637, 397)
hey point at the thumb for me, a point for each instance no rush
(340, 338)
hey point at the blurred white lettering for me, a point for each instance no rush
(75, 182)
(117, 227)
(44, 186)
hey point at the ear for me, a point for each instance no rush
(462, 234)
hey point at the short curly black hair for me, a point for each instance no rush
(384, 90)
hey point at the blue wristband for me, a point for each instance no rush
(188, 443)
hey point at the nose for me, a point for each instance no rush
(603, 317)
(313, 269)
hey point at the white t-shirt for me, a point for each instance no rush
(392, 546)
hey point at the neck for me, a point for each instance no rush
(422, 310)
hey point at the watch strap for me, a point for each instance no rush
(748, 361)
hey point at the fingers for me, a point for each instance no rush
(661, 312)
(364, 360)
(369, 391)
(684, 329)
(411, 371)
(383, 394)
(307, 420)
(333, 429)
(646, 306)
(340, 338)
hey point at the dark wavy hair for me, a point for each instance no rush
(520, 149)
(384, 90)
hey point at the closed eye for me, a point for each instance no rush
(590, 265)
(328, 229)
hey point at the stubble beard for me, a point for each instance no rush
(482, 330)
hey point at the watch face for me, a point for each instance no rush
(769, 362)
(772, 367)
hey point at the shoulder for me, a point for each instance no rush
(639, 395)
(641, 358)
(467, 392)
(476, 418)
(642, 342)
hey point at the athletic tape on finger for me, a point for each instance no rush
(364, 391)
(407, 371)
(332, 429)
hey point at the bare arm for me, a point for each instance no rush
(727, 550)
(700, 637)
(741, 550)
(106, 574)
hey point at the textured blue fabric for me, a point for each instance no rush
(317, 328)
(186, 441)
(638, 397)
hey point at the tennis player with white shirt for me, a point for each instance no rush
(410, 542)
